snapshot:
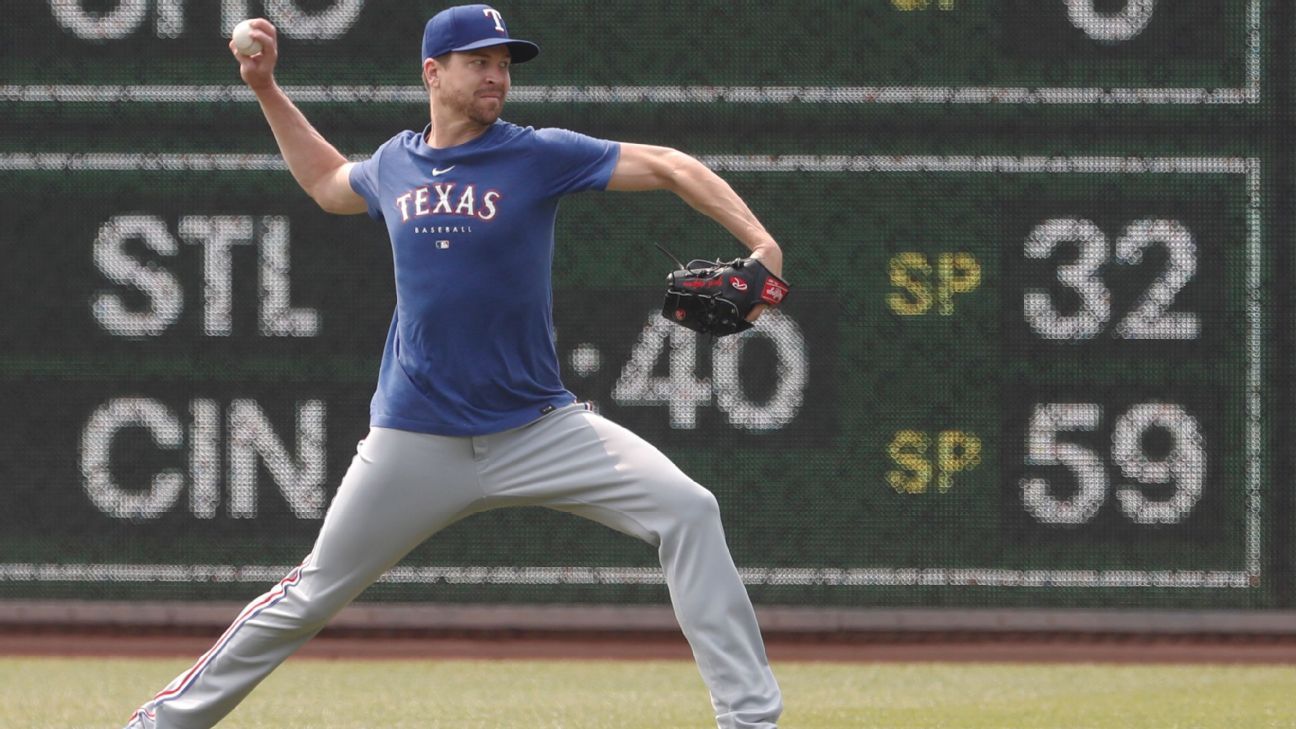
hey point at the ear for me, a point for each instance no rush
(430, 70)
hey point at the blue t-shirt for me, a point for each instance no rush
(471, 346)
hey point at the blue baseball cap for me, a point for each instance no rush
(468, 27)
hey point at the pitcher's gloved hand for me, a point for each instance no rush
(714, 297)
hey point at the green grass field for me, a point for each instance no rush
(320, 694)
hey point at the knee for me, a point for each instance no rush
(696, 505)
(315, 614)
(304, 612)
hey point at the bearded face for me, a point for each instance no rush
(473, 84)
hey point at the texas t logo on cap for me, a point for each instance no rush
(499, 19)
(469, 27)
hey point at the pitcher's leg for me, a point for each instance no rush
(401, 488)
(581, 463)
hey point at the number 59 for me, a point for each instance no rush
(1184, 465)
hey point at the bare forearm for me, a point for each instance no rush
(309, 156)
(710, 195)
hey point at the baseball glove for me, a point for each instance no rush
(715, 297)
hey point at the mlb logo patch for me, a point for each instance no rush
(443, 244)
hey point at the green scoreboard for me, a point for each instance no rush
(1033, 353)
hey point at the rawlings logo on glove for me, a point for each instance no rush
(715, 297)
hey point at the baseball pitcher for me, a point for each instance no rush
(469, 412)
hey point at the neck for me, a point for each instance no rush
(450, 129)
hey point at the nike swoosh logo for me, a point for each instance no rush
(436, 172)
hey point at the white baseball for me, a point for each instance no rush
(243, 39)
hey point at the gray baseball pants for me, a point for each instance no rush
(403, 487)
